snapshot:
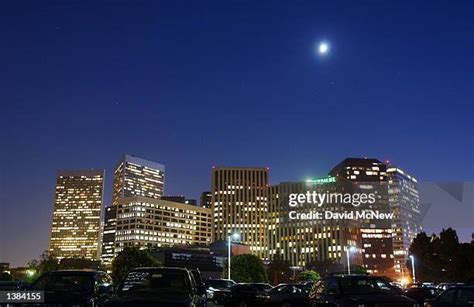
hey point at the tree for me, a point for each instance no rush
(46, 263)
(278, 270)
(128, 259)
(247, 268)
(441, 258)
(309, 275)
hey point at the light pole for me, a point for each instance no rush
(234, 236)
(349, 249)
(413, 267)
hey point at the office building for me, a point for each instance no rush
(370, 176)
(180, 199)
(206, 199)
(305, 242)
(240, 205)
(405, 204)
(75, 231)
(133, 176)
(138, 177)
(153, 223)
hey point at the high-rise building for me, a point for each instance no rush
(405, 204)
(206, 199)
(305, 242)
(370, 175)
(179, 199)
(132, 177)
(240, 205)
(75, 230)
(108, 234)
(138, 177)
(151, 223)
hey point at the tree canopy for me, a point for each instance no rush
(309, 275)
(441, 258)
(247, 268)
(128, 259)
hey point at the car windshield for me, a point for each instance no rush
(364, 286)
(156, 281)
(62, 282)
(219, 283)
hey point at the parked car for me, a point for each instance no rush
(12, 285)
(246, 294)
(458, 296)
(173, 287)
(421, 294)
(196, 274)
(357, 290)
(74, 287)
(286, 295)
(216, 285)
(446, 285)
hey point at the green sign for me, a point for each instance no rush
(323, 180)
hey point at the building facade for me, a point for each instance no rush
(154, 223)
(179, 199)
(305, 242)
(240, 205)
(405, 204)
(75, 229)
(370, 175)
(133, 176)
(206, 199)
(138, 177)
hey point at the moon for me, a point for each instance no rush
(323, 48)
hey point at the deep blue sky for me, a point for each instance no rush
(200, 83)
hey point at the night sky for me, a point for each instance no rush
(192, 84)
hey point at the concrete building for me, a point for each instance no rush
(206, 199)
(153, 223)
(405, 204)
(133, 176)
(179, 199)
(240, 205)
(304, 242)
(370, 176)
(75, 229)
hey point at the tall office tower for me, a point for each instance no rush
(138, 177)
(206, 199)
(306, 241)
(151, 223)
(108, 235)
(405, 204)
(132, 177)
(75, 230)
(240, 204)
(370, 176)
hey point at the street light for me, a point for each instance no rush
(413, 267)
(349, 249)
(236, 237)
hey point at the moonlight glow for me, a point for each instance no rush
(323, 48)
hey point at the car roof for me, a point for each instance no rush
(353, 276)
(75, 272)
(159, 268)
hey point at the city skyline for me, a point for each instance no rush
(234, 83)
(108, 191)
